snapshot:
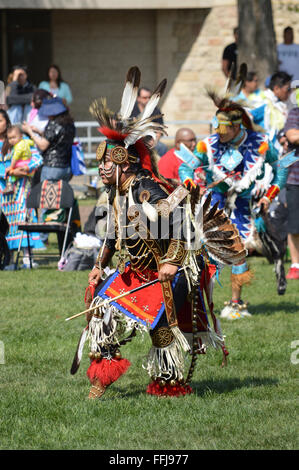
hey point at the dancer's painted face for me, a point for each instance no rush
(231, 133)
(107, 169)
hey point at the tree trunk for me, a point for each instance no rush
(257, 41)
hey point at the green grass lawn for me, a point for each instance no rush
(250, 404)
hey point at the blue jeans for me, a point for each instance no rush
(18, 113)
(54, 174)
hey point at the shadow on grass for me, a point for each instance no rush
(203, 386)
(271, 308)
(230, 384)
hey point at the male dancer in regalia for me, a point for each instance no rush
(150, 223)
(234, 159)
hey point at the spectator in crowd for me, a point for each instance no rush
(143, 97)
(19, 95)
(56, 85)
(250, 92)
(21, 149)
(288, 54)
(292, 193)
(14, 206)
(4, 144)
(281, 137)
(36, 121)
(273, 112)
(229, 56)
(9, 78)
(55, 143)
(3, 104)
(169, 163)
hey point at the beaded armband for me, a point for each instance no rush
(272, 192)
(176, 253)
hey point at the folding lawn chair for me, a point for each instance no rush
(52, 195)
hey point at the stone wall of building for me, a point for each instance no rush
(95, 48)
(285, 13)
(207, 32)
(190, 46)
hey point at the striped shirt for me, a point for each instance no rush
(293, 123)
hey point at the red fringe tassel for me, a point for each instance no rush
(107, 371)
(168, 390)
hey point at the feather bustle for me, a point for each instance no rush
(212, 213)
(220, 243)
(219, 235)
(215, 222)
(206, 204)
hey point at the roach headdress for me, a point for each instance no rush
(230, 112)
(125, 136)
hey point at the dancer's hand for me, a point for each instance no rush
(94, 276)
(167, 272)
(265, 203)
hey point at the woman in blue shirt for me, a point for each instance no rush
(56, 86)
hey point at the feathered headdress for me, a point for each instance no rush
(126, 135)
(230, 112)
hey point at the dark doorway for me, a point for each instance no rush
(28, 40)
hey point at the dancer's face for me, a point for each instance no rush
(107, 169)
(231, 133)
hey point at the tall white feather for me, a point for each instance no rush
(154, 100)
(130, 92)
(136, 134)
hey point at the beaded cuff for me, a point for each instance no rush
(272, 192)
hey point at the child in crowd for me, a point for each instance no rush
(21, 154)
